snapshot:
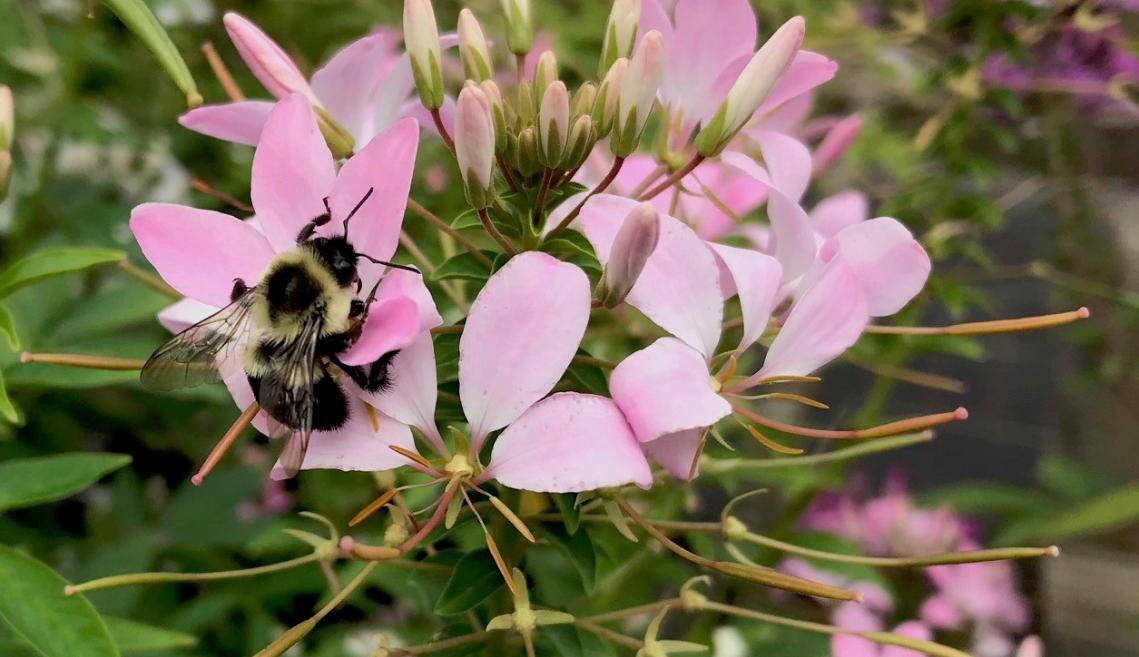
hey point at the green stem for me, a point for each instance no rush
(716, 466)
(972, 556)
(159, 578)
(444, 227)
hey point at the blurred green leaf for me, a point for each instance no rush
(463, 266)
(578, 548)
(568, 641)
(27, 482)
(138, 17)
(7, 410)
(1105, 513)
(8, 328)
(567, 507)
(980, 497)
(132, 636)
(475, 578)
(53, 262)
(32, 603)
(1070, 479)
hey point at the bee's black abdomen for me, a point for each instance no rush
(330, 405)
(290, 289)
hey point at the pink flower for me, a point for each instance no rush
(366, 86)
(200, 253)
(983, 596)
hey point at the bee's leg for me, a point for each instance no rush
(318, 221)
(357, 309)
(239, 289)
(373, 378)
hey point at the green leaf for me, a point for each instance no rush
(138, 17)
(32, 603)
(475, 578)
(53, 262)
(26, 482)
(568, 641)
(978, 497)
(8, 328)
(578, 548)
(467, 220)
(570, 243)
(1070, 479)
(1102, 514)
(590, 377)
(463, 266)
(132, 636)
(567, 507)
(7, 409)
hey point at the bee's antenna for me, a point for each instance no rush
(388, 264)
(357, 209)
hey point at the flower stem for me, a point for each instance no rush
(889, 429)
(420, 257)
(443, 134)
(85, 361)
(618, 162)
(506, 175)
(240, 424)
(540, 200)
(609, 635)
(445, 644)
(494, 233)
(444, 227)
(621, 614)
(715, 466)
(676, 177)
(988, 328)
(160, 578)
(648, 180)
(222, 73)
(150, 280)
(971, 556)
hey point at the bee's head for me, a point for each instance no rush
(339, 256)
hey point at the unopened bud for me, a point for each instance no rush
(620, 32)
(7, 118)
(752, 87)
(605, 105)
(473, 48)
(553, 124)
(498, 112)
(474, 145)
(421, 39)
(545, 71)
(638, 94)
(527, 157)
(395, 535)
(527, 105)
(519, 29)
(580, 144)
(267, 61)
(635, 242)
(583, 100)
(837, 140)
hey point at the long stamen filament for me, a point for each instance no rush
(232, 90)
(709, 465)
(988, 328)
(165, 577)
(673, 179)
(85, 361)
(889, 429)
(226, 442)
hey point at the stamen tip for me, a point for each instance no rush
(1052, 550)
(26, 357)
(69, 590)
(858, 598)
(197, 479)
(961, 413)
(1083, 312)
(347, 543)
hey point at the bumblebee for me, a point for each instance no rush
(287, 332)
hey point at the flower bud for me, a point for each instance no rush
(545, 72)
(635, 242)
(473, 48)
(752, 87)
(835, 142)
(526, 159)
(498, 111)
(519, 29)
(581, 141)
(583, 99)
(268, 62)
(7, 118)
(421, 38)
(638, 94)
(474, 145)
(605, 105)
(620, 32)
(527, 105)
(553, 124)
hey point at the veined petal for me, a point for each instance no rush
(239, 122)
(200, 252)
(708, 36)
(756, 278)
(675, 452)
(788, 162)
(807, 71)
(183, 314)
(890, 264)
(414, 390)
(347, 85)
(679, 288)
(359, 445)
(401, 283)
(826, 320)
(385, 166)
(292, 172)
(839, 211)
(522, 332)
(391, 325)
(566, 443)
(665, 388)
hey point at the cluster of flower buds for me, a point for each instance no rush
(7, 133)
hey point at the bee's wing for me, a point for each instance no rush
(288, 394)
(191, 357)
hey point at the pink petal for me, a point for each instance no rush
(200, 252)
(414, 391)
(348, 83)
(391, 101)
(807, 71)
(1032, 646)
(679, 288)
(416, 110)
(709, 35)
(569, 443)
(385, 166)
(939, 611)
(675, 452)
(358, 445)
(391, 325)
(523, 330)
(756, 279)
(914, 630)
(845, 645)
(266, 60)
(788, 117)
(794, 238)
(826, 320)
(740, 193)
(239, 122)
(844, 209)
(183, 314)
(788, 162)
(292, 172)
(401, 283)
(665, 388)
(889, 263)
(654, 16)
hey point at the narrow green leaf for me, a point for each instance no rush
(53, 262)
(7, 409)
(32, 603)
(138, 17)
(132, 636)
(463, 266)
(568, 641)
(475, 578)
(26, 482)
(578, 548)
(1102, 514)
(567, 507)
(8, 328)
